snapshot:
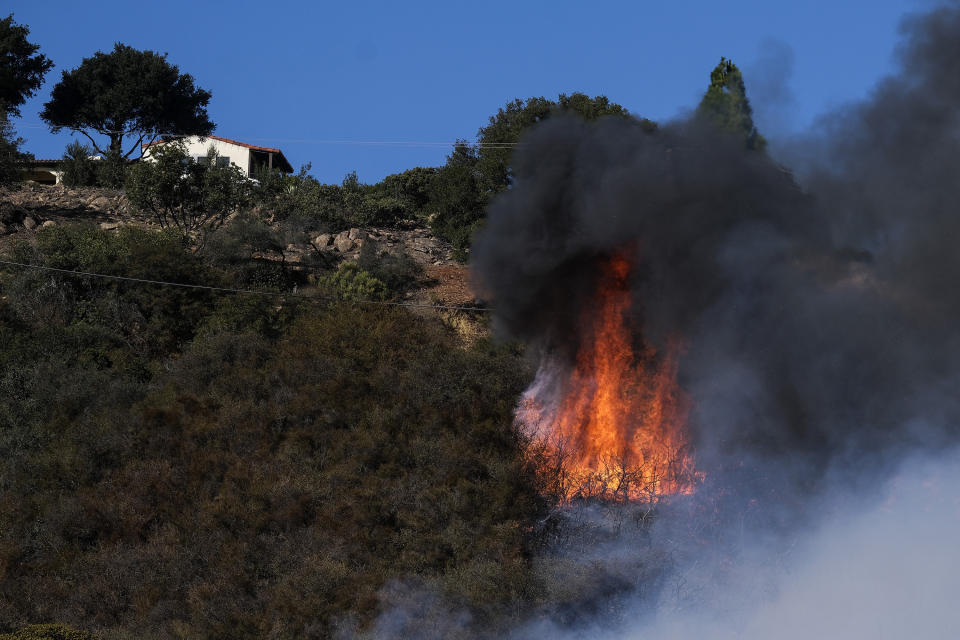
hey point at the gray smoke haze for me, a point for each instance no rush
(819, 307)
(886, 568)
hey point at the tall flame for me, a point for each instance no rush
(617, 427)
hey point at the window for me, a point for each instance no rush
(223, 161)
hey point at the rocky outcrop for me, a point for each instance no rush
(31, 206)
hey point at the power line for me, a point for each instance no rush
(231, 290)
(352, 142)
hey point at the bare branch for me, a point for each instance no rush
(92, 141)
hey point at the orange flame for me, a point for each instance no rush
(618, 427)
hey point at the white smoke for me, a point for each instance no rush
(889, 568)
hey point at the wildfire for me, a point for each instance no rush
(615, 424)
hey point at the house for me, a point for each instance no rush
(251, 159)
(43, 171)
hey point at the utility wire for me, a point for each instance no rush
(231, 290)
(385, 143)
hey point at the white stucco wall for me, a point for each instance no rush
(197, 147)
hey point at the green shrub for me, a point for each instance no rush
(262, 487)
(188, 196)
(79, 169)
(112, 170)
(398, 272)
(349, 282)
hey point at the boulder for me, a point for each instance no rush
(109, 226)
(343, 242)
(29, 223)
(48, 223)
(322, 241)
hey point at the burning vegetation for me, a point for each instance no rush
(613, 424)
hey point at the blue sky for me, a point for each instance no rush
(329, 82)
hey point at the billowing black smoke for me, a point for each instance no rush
(819, 308)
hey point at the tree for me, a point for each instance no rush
(21, 67)
(495, 142)
(189, 196)
(10, 154)
(127, 92)
(725, 104)
(474, 174)
(456, 195)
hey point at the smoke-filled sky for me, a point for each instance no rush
(818, 307)
(815, 290)
(299, 75)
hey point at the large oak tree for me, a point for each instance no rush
(21, 67)
(21, 74)
(127, 92)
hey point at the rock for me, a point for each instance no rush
(102, 203)
(357, 234)
(270, 254)
(29, 223)
(109, 226)
(48, 223)
(343, 242)
(322, 241)
(3, 229)
(293, 256)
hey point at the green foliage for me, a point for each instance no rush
(48, 632)
(127, 324)
(457, 197)
(191, 197)
(10, 154)
(239, 249)
(264, 486)
(21, 74)
(410, 189)
(495, 141)
(21, 67)
(725, 104)
(81, 170)
(306, 205)
(127, 92)
(398, 272)
(78, 169)
(112, 170)
(350, 282)
(474, 174)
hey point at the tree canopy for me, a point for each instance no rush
(189, 196)
(127, 92)
(21, 67)
(10, 154)
(496, 140)
(474, 174)
(725, 104)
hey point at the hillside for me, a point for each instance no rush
(187, 462)
(442, 280)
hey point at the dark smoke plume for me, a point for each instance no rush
(819, 309)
